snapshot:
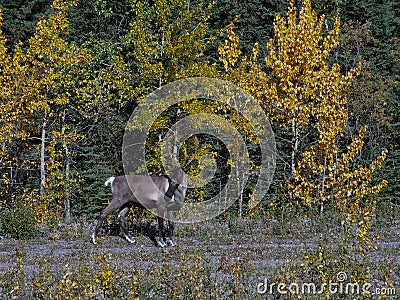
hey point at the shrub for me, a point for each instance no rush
(18, 223)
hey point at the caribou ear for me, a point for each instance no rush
(188, 160)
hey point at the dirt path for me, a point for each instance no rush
(211, 254)
(279, 251)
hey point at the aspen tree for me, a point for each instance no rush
(37, 85)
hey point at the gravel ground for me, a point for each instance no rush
(220, 248)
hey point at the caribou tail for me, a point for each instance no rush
(109, 181)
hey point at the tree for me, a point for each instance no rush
(99, 20)
(307, 94)
(254, 19)
(36, 87)
(20, 18)
(166, 42)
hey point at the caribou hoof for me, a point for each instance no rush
(130, 239)
(94, 239)
(162, 244)
(172, 242)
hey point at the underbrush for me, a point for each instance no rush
(179, 275)
(18, 223)
(214, 260)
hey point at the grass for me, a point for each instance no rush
(214, 259)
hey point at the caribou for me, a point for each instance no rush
(165, 193)
(160, 192)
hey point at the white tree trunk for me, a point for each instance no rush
(67, 176)
(42, 160)
(295, 144)
(67, 193)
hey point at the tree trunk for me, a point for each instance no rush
(67, 175)
(295, 145)
(67, 193)
(42, 161)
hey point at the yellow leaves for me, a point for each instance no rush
(309, 89)
(229, 52)
(308, 95)
(332, 40)
(297, 37)
(35, 85)
(254, 54)
(171, 49)
(62, 5)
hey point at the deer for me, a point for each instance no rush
(165, 193)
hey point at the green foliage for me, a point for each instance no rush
(165, 42)
(37, 86)
(254, 21)
(100, 20)
(95, 195)
(20, 18)
(18, 222)
(136, 46)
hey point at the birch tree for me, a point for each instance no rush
(37, 85)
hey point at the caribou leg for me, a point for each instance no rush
(171, 228)
(104, 213)
(121, 216)
(161, 241)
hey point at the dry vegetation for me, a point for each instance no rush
(214, 259)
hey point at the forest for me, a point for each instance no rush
(324, 73)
